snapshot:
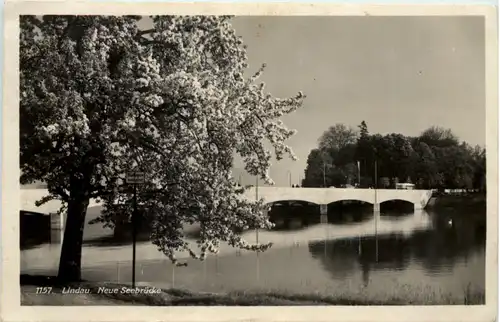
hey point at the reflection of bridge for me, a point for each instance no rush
(324, 196)
(377, 225)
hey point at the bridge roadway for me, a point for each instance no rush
(324, 196)
(319, 196)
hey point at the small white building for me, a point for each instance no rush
(405, 186)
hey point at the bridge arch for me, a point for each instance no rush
(272, 198)
(298, 201)
(291, 207)
(292, 214)
(34, 228)
(397, 205)
(386, 198)
(350, 201)
(413, 196)
(364, 197)
(397, 200)
(349, 210)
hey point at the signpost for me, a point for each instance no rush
(134, 178)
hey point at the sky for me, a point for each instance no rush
(398, 74)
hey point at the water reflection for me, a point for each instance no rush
(451, 239)
(297, 215)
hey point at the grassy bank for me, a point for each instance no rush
(465, 202)
(177, 297)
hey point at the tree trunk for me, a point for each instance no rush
(71, 252)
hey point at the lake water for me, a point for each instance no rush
(358, 254)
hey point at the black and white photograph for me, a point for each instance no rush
(251, 159)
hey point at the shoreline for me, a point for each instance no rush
(46, 290)
(476, 201)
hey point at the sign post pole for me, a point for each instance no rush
(134, 234)
(257, 229)
(134, 178)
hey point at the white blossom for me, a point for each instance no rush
(176, 105)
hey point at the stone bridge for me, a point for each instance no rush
(319, 196)
(324, 196)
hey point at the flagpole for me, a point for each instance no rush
(359, 175)
(324, 174)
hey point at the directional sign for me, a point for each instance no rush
(323, 209)
(135, 177)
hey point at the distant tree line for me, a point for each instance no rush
(436, 159)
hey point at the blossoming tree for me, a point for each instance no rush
(100, 97)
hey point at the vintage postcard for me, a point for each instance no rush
(249, 162)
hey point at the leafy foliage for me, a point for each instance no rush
(337, 137)
(435, 159)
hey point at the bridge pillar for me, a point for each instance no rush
(376, 211)
(417, 206)
(56, 228)
(323, 211)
